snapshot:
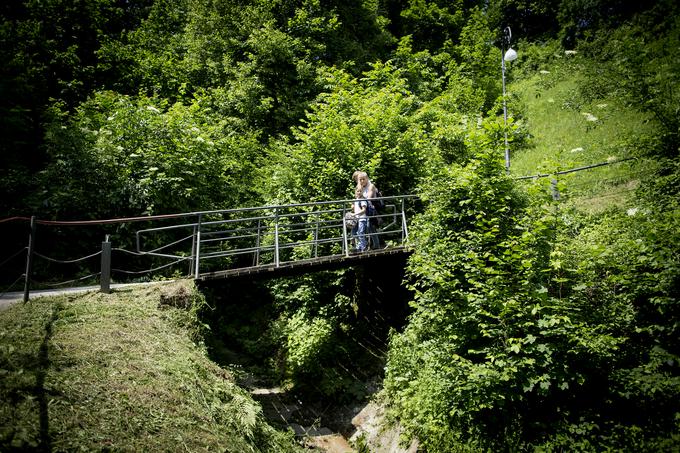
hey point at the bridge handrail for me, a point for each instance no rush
(295, 232)
(257, 208)
(276, 230)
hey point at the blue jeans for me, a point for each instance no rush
(360, 233)
(372, 231)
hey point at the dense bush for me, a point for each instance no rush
(145, 157)
(533, 326)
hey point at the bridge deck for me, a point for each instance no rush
(303, 266)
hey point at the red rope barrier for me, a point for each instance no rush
(9, 219)
(97, 222)
(109, 221)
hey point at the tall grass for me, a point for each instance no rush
(120, 372)
(571, 127)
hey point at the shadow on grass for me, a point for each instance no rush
(24, 365)
(40, 392)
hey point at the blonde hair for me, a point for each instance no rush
(358, 174)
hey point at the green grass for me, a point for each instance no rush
(119, 371)
(570, 128)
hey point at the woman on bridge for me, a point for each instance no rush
(367, 188)
(368, 191)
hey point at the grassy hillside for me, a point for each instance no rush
(571, 125)
(120, 371)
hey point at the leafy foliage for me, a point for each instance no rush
(524, 335)
(48, 52)
(432, 24)
(534, 325)
(639, 66)
(145, 157)
(367, 125)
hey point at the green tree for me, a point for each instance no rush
(580, 19)
(367, 124)
(476, 57)
(432, 23)
(528, 19)
(121, 156)
(148, 58)
(49, 51)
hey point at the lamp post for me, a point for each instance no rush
(510, 55)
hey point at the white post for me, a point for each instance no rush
(505, 116)
(510, 55)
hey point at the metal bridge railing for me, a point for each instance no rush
(186, 244)
(273, 235)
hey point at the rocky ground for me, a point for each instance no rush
(333, 428)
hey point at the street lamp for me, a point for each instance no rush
(510, 55)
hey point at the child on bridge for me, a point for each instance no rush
(360, 210)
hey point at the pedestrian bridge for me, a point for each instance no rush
(276, 240)
(207, 246)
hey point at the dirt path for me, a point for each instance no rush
(10, 298)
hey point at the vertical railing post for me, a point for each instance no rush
(276, 237)
(105, 276)
(257, 243)
(404, 227)
(193, 251)
(316, 236)
(197, 248)
(29, 259)
(345, 241)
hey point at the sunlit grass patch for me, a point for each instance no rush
(569, 131)
(118, 371)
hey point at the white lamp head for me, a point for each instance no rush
(510, 55)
